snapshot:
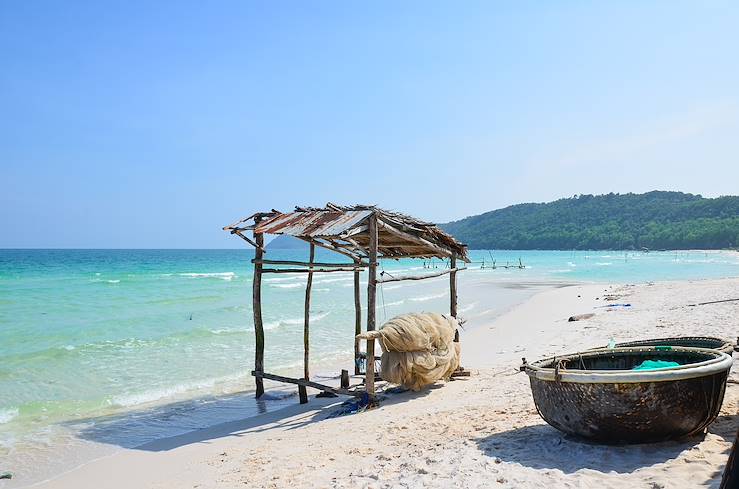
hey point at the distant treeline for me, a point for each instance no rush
(654, 220)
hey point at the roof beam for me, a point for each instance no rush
(329, 246)
(238, 233)
(390, 229)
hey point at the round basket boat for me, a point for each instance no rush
(689, 341)
(597, 395)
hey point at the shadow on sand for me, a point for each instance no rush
(198, 421)
(543, 447)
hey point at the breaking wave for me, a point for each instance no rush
(295, 321)
(287, 286)
(424, 298)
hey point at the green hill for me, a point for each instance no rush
(655, 220)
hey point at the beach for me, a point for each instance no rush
(111, 349)
(481, 431)
(228, 228)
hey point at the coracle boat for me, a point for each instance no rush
(688, 341)
(597, 394)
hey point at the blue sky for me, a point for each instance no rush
(153, 124)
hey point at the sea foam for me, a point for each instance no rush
(7, 415)
(287, 286)
(294, 321)
(425, 298)
(154, 395)
(218, 275)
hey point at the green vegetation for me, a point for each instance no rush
(654, 220)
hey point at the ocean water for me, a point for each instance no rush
(92, 340)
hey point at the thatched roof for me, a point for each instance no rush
(345, 229)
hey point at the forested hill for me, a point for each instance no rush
(654, 220)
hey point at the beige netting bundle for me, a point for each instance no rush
(418, 349)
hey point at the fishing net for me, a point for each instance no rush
(418, 349)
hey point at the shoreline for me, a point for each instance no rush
(273, 416)
(77, 448)
(535, 328)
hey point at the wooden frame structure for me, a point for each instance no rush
(364, 234)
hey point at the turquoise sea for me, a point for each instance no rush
(91, 337)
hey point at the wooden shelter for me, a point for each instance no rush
(362, 233)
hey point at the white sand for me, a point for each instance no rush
(478, 432)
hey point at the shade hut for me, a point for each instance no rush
(362, 233)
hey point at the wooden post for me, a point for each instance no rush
(344, 379)
(453, 286)
(357, 320)
(306, 328)
(257, 308)
(371, 301)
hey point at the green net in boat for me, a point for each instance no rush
(655, 365)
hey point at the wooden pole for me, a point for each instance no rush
(306, 328)
(257, 308)
(357, 320)
(329, 246)
(237, 233)
(371, 301)
(453, 286)
(420, 277)
(305, 270)
(356, 264)
(309, 383)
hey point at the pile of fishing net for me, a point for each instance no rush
(418, 349)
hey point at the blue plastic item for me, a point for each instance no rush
(655, 365)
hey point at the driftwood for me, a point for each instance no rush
(580, 317)
(712, 302)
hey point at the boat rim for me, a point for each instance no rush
(719, 363)
(726, 346)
